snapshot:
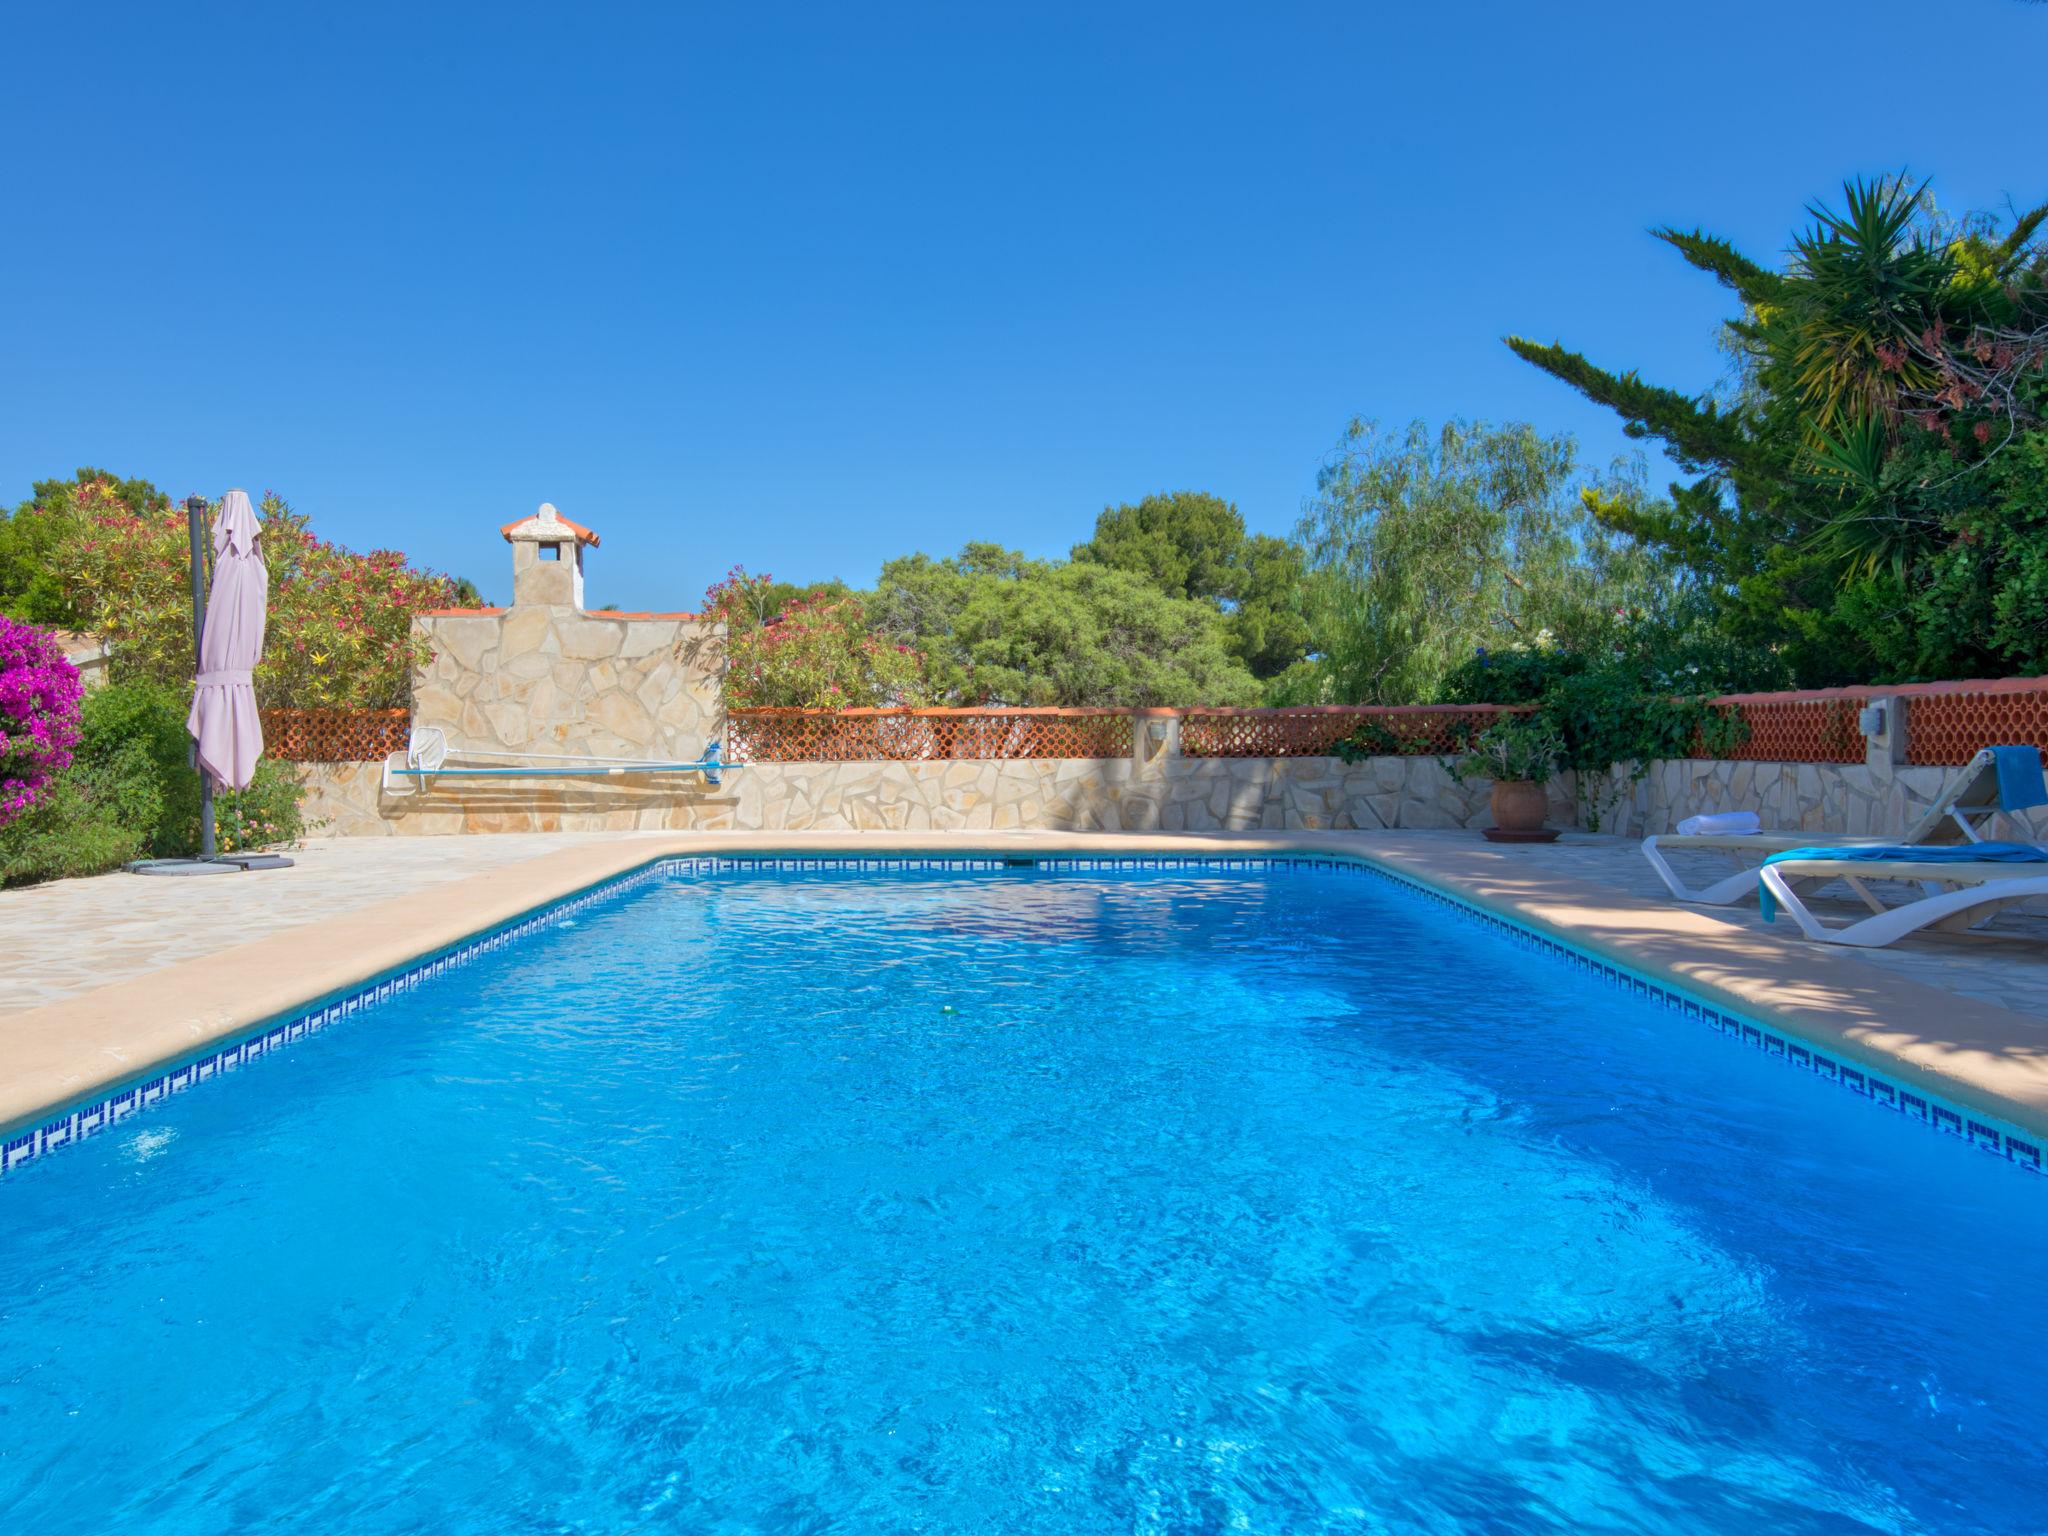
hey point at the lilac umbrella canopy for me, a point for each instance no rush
(224, 721)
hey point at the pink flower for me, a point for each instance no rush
(39, 694)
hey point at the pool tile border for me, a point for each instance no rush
(89, 1119)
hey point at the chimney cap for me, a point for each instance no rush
(547, 526)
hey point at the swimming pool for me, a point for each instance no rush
(1021, 1200)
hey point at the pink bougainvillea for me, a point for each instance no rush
(39, 692)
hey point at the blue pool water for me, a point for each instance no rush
(1022, 1202)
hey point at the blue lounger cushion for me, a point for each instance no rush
(1967, 853)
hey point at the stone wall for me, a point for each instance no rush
(1167, 792)
(545, 676)
(1876, 797)
(551, 678)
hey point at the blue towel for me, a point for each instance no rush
(1967, 853)
(2020, 781)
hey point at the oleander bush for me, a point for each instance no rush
(807, 649)
(339, 634)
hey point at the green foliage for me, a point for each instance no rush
(1606, 719)
(790, 649)
(339, 632)
(131, 791)
(1517, 749)
(1194, 546)
(1973, 601)
(1637, 695)
(1883, 379)
(1267, 626)
(264, 815)
(1306, 682)
(1396, 736)
(1426, 546)
(136, 758)
(996, 628)
(1516, 674)
(1186, 543)
(31, 585)
(68, 832)
(1865, 281)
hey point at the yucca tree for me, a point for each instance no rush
(1896, 350)
(1900, 326)
(1865, 284)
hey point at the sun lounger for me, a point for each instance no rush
(2006, 779)
(1965, 886)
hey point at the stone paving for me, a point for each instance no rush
(2005, 963)
(73, 935)
(66, 938)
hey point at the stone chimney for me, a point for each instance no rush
(547, 559)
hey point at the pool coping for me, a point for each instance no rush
(93, 1048)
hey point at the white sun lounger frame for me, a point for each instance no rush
(1953, 818)
(1960, 896)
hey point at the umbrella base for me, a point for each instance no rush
(219, 864)
(255, 860)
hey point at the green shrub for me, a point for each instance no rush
(1405, 736)
(131, 791)
(69, 831)
(1510, 675)
(1605, 719)
(1641, 695)
(133, 746)
(265, 815)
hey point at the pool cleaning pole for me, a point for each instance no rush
(195, 525)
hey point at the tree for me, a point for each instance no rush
(996, 628)
(31, 587)
(1267, 627)
(1193, 546)
(1187, 543)
(1880, 376)
(787, 648)
(1429, 546)
(339, 630)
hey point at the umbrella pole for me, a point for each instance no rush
(195, 520)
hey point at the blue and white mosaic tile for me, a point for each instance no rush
(86, 1120)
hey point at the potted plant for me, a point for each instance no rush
(1519, 753)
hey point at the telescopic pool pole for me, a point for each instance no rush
(195, 526)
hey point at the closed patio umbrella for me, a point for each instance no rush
(224, 722)
(227, 732)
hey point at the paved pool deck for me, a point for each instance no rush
(105, 981)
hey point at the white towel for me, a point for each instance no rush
(1724, 824)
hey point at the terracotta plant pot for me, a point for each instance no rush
(1518, 806)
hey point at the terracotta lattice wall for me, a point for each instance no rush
(332, 735)
(1795, 729)
(1393, 732)
(1948, 727)
(924, 735)
(1946, 724)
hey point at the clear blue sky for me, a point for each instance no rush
(806, 287)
